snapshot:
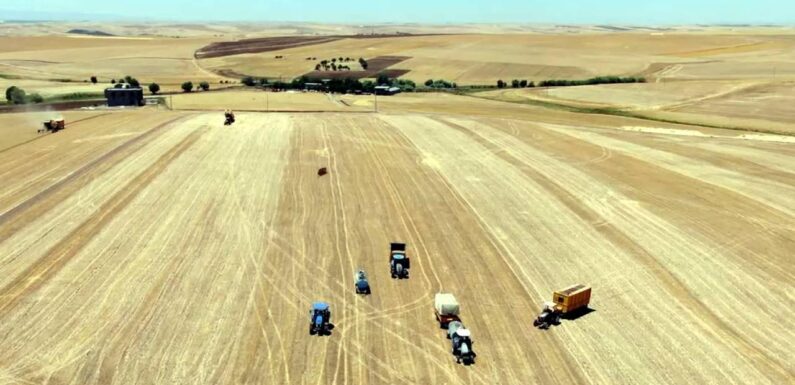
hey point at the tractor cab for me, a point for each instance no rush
(399, 262)
(361, 283)
(319, 318)
(462, 346)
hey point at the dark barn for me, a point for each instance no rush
(124, 97)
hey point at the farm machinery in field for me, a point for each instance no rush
(461, 339)
(320, 319)
(360, 282)
(566, 302)
(399, 262)
(229, 118)
(53, 125)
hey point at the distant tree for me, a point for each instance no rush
(187, 86)
(333, 66)
(531, 84)
(249, 81)
(364, 65)
(523, 83)
(333, 60)
(154, 88)
(119, 85)
(35, 98)
(94, 79)
(317, 67)
(454, 85)
(113, 81)
(500, 84)
(16, 95)
(428, 82)
(121, 81)
(341, 59)
(9, 92)
(368, 86)
(263, 82)
(383, 80)
(204, 86)
(515, 83)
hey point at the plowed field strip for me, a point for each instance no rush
(44, 269)
(15, 219)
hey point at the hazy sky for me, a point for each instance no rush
(419, 11)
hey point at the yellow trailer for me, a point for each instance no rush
(572, 298)
(564, 301)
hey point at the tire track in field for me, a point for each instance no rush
(17, 217)
(615, 235)
(60, 254)
(775, 195)
(566, 367)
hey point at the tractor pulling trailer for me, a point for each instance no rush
(568, 301)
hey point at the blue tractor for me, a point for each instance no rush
(361, 283)
(319, 319)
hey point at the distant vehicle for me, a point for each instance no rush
(229, 118)
(399, 262)
(361, 283)
(54, 125)
(566, 301)
(446, 309)
(319, 319)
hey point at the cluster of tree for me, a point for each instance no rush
(363, 63)
(226, 82)
(332, 67)
(133, 82)
(188, 86)
(516, 83)
(405, 85)
(311, 58)
(16, 95)
(430, 83)
(345, 85)
(250, 81)
(335, 64)
(591, 81)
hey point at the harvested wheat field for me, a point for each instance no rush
(166, 248)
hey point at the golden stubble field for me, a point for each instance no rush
(162, 247)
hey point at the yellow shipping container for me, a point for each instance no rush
(572, 298)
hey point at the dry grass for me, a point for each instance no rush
(154, 246)
(189, 247)
(162, 60)
(263, 101)
(482, 59)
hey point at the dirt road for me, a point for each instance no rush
(172, 249)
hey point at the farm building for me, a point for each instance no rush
(386, 90)
(124, 97)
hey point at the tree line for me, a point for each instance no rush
(516, 83)
(344, 85)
